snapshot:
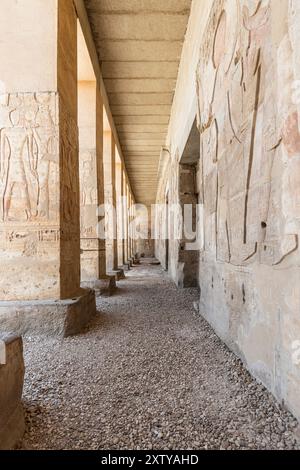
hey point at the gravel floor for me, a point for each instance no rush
(147, 374)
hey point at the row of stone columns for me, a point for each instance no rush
(59, 165)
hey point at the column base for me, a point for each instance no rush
(118, 273)
(12, 423)
(104, 286)
(49, 317)
(122, 271)
(125, 267)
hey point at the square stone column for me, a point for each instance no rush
(93, 250)
(131, 234)
(110, 197)
(39, 179)
(120, 215)
(125, 218)
(128, 225)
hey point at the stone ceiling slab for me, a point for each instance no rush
(139, 44)
(141, 120)
(161, 128)
(150, 27)
(139, 70)
(150, 110)
(137, 99)
(148, 51)
(139, 6)
(140, 85)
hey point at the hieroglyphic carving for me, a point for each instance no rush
(69, 168)
(39, 195)
(47, 141)
(242, 133)
(28, 147)
(88, 193)
(88, 181)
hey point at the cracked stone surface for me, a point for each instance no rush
(148, 373)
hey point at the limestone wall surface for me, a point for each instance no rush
(239, 75)
(39, 181)
(12, 424)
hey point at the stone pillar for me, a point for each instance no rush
(119, 212)
(128, 225)
(124, 221)
(109, 158)
(130, 228)
(120, 218)
(125, 215)
(93, 255)
(132, 242)
(39, 178)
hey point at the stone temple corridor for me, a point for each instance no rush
(148, 373)
(149, 225)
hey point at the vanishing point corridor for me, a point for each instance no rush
(148, 373)
(149, 227)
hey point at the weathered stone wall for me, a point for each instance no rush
(244, 82)
(144, 243)
(93, 263)
(145, 247)
(39, 186)
(12, 424)
(29, 200)
(109, 158)
(69, 150)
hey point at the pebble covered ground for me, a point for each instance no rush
(148, 373)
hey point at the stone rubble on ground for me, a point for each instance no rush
(147, 374)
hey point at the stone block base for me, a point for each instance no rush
(12, 424)
(125, 267)
(118, 273)
(136, 259)
(49, 317)
(121, 273)
(105, 286)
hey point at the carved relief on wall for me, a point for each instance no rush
(88, 182)
(28, 157)
(242, 133)
(88, 193)
(69, 169)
